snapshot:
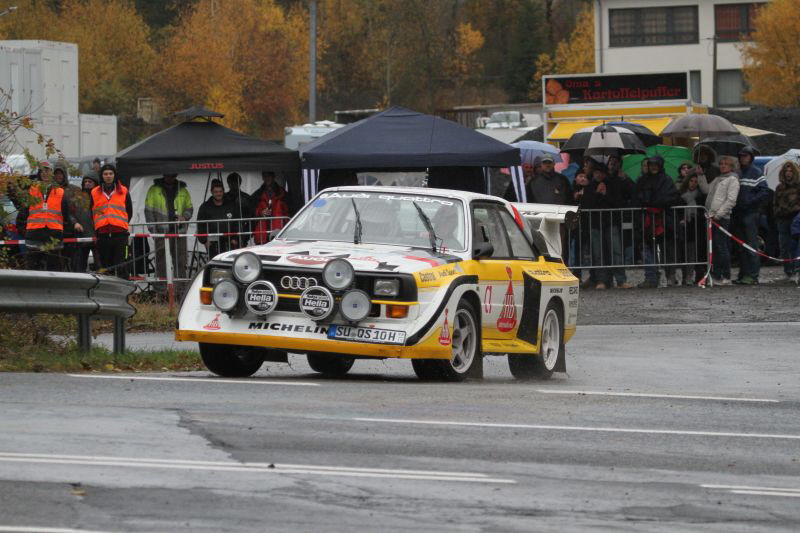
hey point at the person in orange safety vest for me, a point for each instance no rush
(111, 209)
(48, 212)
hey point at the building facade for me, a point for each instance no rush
(677, 35)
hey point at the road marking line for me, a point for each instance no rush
(581, 428)
(104, 458)
(249, 381)
(251, 467)
(648, 395)
(747, 487)
(767, 493)
(31, 529)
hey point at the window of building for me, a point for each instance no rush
(695, 87)
(653, 26)
(732, 21)
(730, 88)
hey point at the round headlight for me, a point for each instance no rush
(247, 267)
(338, 274)
(355, 305)
(225, 295)
(261, 297)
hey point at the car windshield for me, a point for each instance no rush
(386, 218)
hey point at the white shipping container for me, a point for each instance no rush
(98, 134)
(50, 79)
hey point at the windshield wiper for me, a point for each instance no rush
(358, 228)
(427, 223)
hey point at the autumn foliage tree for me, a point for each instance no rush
(247, 59)
(116, 60)
(772, 56)
(572, 56)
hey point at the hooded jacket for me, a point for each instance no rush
(722, 195)
(656, 190)
(156, 210)
(787, 193)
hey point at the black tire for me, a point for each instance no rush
(541, 366)
(464, 359)
(230, 361)
(332, 366)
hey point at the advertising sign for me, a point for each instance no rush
(601, 88)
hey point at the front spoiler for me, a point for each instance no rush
(424, 350)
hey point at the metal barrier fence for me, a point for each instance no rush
(610, 240)
(60, 293)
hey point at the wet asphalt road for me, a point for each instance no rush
(681, 427)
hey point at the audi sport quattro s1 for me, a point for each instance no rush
(440, 277)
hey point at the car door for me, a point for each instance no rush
(500, 275)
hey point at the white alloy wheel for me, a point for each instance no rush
(551, 339)
(465, 337)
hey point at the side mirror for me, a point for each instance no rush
(484, 249)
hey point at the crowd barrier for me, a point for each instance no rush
(638, 237)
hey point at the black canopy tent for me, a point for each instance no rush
(203, 146)
(402, 139)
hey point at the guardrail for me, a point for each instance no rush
(57, 293)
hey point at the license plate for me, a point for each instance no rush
(372, 335)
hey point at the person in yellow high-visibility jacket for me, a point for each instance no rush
(167, 204)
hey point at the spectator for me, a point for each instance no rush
(721, 199)
(785, 209)
(70, 191)
(217, 207)
(753, 191)
(603, 193)
(656, 192)
(579, 237)
(271, 202)
(548, 186)
(704, 157)
(692, 228)
(236, 195)
(80, 207)
(167, 207)
(626, 187)
(794, 230)
(527, 175)
(48, 213)
(111, 212)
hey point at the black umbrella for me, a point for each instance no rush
(603, 140)
(699, 125)
(728, 145)
(644, 133)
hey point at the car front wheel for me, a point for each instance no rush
(464, 350)
(230, 361)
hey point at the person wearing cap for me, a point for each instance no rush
(48, 214)
(167, 207)
(551, 187)
(656, 193)
(753, 192)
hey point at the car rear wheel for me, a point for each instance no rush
(552, 345)
(334, 366)
(464, 350)
(230, 361)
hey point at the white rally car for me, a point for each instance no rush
(440, 277)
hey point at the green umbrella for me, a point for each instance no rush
(673, 156)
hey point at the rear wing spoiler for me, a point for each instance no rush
(545, 221)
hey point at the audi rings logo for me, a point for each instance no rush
(297, 283)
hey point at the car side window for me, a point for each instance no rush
(520, 247)
(487, 227)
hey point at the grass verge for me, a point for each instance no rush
(100, 360)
